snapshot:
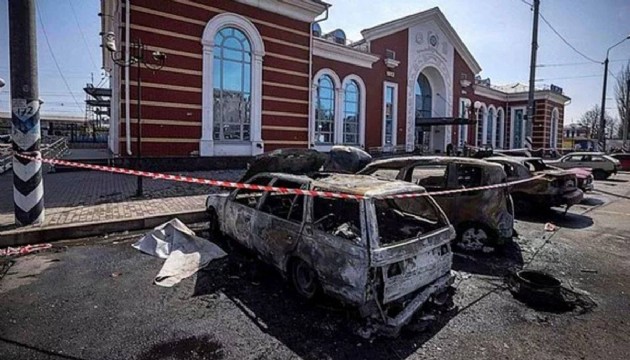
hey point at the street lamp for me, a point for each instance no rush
(602, 120)
(139, 60)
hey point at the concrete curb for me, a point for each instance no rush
(74, 231)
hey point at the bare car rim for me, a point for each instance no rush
(304, 279)
(473, 238)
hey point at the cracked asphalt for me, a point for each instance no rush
(94, 299)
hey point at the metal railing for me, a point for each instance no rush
(56, 149)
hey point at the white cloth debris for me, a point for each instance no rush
(185, 253)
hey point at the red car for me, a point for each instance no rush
(624, 159)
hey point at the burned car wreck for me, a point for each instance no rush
(557, 187)
(483, 219)
(386, 256)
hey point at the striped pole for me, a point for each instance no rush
(28, 187)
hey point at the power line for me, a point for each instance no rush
(76, 19)
(566, 42)
(562, 37)
(571, 77)
(578, 63)
(39, 15)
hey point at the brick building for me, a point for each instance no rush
(247, 76)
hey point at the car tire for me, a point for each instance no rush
(304, 279)
(474, 237)
(600, 174)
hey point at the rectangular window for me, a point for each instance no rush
(518, 128)
(249, 197)
(337, 217)
(285, 206)
(390, 110)
(390, 54)
(462, 132)
(402, 219)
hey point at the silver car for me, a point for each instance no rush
(386, 256)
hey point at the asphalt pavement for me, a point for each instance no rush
(94, 299)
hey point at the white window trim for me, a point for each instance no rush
(462, 131)
(207, 145)
(501, 128)
(338, 115)
(391, 147)
(555, 119)
(512, 118)
(362, 97)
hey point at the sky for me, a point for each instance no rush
(497, 33)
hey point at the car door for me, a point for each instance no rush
(278, 223)
(467, 203)
(240, 209)
(334, 244)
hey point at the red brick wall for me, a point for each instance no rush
(165, 109)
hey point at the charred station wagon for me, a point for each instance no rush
(385, 256)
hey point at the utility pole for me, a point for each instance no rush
(532, 80)
(626, 123)
(28, 185)
(602, 117)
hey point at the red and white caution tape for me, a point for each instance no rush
(282, 190)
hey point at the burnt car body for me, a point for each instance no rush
(557, 187)
(483, 218)
(585, 178)
(387, 257)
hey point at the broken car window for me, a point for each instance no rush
(338, 217)
(249, 197)
(468, 176)
(431, 177)
(402, 219)
(285, 206)
(386, 174)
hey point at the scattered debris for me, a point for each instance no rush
(591, 271)
(185, 253)
(24, 250)
(116, 274)
(549, 227)
(543, 291)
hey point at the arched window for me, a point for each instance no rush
(482, 125)
(232, 82)
(231, 117)
(499, 136)
(553, 136)
(423, 97)
(351, 113)
(489, 127)
(325, 111)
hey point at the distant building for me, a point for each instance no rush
(247, 76)
(578, 137)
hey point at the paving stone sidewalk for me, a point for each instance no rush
(90, 196)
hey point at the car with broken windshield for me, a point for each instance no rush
(373, 248)
(543, 186)
(484, 219)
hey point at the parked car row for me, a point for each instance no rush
(386, 256)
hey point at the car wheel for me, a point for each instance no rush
(600, 175)
(473, 237)
(304, 279)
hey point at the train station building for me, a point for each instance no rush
(248, 76)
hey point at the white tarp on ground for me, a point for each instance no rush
(185, 253)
